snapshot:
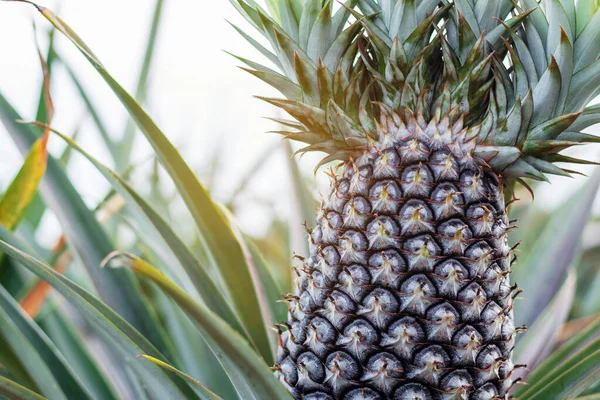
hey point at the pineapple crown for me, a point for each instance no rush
(513, 78)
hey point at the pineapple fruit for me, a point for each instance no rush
(406, 292)
(435, 110)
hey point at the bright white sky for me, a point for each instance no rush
(197, 95)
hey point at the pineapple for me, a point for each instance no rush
(435, 110)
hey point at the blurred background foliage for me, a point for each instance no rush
(253, 175)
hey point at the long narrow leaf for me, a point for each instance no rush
(84, 234)
(23, 188)
(126, 142)
(31, 359)
(196, 356)
(572, 381)
(125, 340)
(218, 238)
(541, 337)
(248, 372)
(202, 391)
(64, 336)
(200, 277)
(14, 391)
(69, 382)
(560, 356)
(543, 271)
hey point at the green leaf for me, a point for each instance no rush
(306, 75)
(408, 23)
(542, 272)
(540, 338)
(268, 54)
(14, 391)
(122, 337)
(321, 34)
(273, 292)
(202, 391)
(11, 362)
(544, 94)
(288, 19)
(23, 188)
(197, 358)
(266, 287)
(589, 117)
(339, 46)
(561, 355)
(68, 380)
(288, 88)
(574, 378)
(84, 234)
(551, 129)
(564, 59)
(309, 16)
(586, 9)
(225, 251)
(197, 273)
(247, 370)
(557, 22)
(125, 145)
(31, 359)
(494, 36)
(587, 45)
(64, 336)
(584, 86)
(465, 8)
(535, 43)
(538, 18)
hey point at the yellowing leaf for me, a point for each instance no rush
(22, 189)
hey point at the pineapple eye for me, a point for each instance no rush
(387, 165)
(421, 253)
(381, 371)
(383, 232)
(362, 394)
(430, 363)
(415, 218)
(444, 166)
(385, 197)
(458, 383)
(413, 391)
(341, 370)
(379, 307)
(311, 366)
(417, 180)
(454, 236)
(444, 319)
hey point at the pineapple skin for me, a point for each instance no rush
(406, 292)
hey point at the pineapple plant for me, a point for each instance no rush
(436, 115)
(435, 110)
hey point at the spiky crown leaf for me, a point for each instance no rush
(517, 75)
